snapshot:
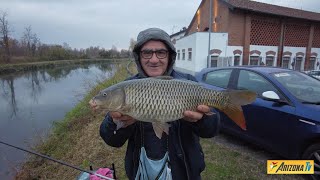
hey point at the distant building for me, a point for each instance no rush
(250, 33)
(174, 37)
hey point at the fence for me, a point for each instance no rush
(295, 63)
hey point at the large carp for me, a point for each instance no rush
(163, 99)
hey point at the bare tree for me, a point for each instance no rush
(124, 53)
(131, 46)
(26, 40)
(30, 41)
(114, 53)
(4, 33)
(34, 44)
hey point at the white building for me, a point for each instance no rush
(249, 33)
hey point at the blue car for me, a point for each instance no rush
(285, 117)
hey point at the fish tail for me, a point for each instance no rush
(232, 108)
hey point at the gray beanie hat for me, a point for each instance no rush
(154, 34)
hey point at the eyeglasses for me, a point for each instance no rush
(147, 54)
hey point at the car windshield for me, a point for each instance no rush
(305, 88)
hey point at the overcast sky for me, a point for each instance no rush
(84, 23)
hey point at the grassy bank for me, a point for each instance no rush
(20, 67)
(76, 140)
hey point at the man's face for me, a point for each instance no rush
(154, 58)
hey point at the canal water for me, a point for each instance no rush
(30, 102)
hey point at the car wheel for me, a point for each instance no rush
(313, 153)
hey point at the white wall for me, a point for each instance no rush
(218, 41)
(316, 50)
(263, 50)
(199, 43)
(185, 43)
(177, 36)
(295, 50)
(230, 53)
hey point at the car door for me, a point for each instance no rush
(267, 121)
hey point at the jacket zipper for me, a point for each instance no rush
(184, 157)
(139, 151)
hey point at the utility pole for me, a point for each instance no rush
(210, 27)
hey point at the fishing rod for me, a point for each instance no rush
(57, 161)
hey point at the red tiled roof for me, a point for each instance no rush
(273, 9)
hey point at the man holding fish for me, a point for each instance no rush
(162, 114)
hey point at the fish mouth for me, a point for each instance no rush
(93, 104)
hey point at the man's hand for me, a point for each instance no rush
(194, 116)
(126, 120)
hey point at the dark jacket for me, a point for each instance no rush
(185, 152)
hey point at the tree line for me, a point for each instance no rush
(30, 48)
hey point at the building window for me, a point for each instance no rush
(236, 60)
(285, 62)
(183, 54)
(214, 61)
(312, 63)
(269, 60)
(178, 56)
(298, 63)
(255, 60)
(189, 54)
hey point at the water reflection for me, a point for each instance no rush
(8, 94)
(30, 102)
(37, 79)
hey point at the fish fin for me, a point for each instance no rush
(242, 97)
(233, 110)
(235, 113)
(160, 127)
(163, 77)
(119, 124)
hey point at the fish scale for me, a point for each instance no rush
(163, 99)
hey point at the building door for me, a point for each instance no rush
(312, 63)
(236, 60)
(298, 63)
(255, 60)
(285, 62)
(269, 60)
(214, 61)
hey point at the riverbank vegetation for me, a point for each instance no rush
(21, 67)
(29, 48)
(76, 140)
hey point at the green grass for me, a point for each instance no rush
(74, 140)
(225, 163)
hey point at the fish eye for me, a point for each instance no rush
(104, 94)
